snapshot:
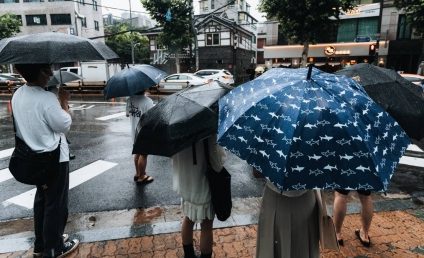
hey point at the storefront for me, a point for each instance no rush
(333, 56)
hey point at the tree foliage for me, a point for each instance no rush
(121, 44)
(305, 21)
(9, 25)
(176, 28)
(415, 13)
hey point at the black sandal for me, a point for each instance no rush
(363, 242)
(145, 180)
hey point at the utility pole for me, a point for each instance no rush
(131, 33)
(380, 18)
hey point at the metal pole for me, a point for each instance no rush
(380, 18)
(131, 42)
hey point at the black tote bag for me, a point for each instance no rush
(220, 186)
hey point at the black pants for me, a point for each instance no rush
(51, 213)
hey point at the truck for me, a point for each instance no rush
(93, 73)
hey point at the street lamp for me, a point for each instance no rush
(133, 45)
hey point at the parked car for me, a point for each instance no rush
(10, 81)
(414, 78)
(221, 75)
(179, 81)
(16, 75)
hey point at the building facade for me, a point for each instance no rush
(82, 18)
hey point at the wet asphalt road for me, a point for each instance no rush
(110, 140)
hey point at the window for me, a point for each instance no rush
(37, 19)
(349, 29)
(60, 19)
(28, 1)
(95, 5)
(212, 4)
(84, 22)
(58, 0)
(404, 29)
(82, 2)
(8, 1)
(96, 25)
(212, 39)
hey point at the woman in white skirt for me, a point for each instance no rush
(288, 224)
(189, 180)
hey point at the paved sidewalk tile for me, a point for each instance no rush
(397, 234)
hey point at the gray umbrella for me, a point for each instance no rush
(52, 47)
(60, 77)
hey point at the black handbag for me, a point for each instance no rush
(30, 167)
(220, 187)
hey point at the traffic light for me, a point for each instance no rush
(371, 50)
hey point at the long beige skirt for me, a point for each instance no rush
(288, 226)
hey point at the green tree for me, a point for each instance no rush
(305, 21)
(415, 13)
(174, 16)
(9, 25)
(120, 41)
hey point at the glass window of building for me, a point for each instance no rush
(29, 1)
(212, 4)
(96, 25)
(212, 39)
(349, 29)
(84, 22)
(37, 19)
(8, 1)
(60, 19)
(95, 5)
(404, 29)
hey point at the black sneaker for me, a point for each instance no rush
(37, 254)
(69, 247)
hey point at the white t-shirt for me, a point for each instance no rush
(137, 105)
(40, 120)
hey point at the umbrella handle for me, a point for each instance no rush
(308, 77)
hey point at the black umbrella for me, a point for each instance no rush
(179, 120)
(132, 80)
(400, 98)
(52, 47)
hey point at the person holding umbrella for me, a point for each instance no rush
(189, 180)
(41, 120)
(137, 105)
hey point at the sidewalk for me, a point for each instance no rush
(393, 234)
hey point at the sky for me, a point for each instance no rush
(136, 6)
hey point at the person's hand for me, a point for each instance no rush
(63, 96)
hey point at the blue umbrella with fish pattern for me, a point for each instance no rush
(306, 129)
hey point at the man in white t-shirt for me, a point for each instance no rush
(137, 105)
(41, 120)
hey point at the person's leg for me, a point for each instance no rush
(137, 172)
(339, 212)
(142, 163)
(206, 238)
(38, 221)
(187, 237)
(56, 211)
(367, 212)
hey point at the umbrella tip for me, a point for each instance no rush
(308, 77)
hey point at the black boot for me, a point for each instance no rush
(206, 255)
(189, 251)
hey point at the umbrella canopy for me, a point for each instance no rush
(179, 120)
(399, 97)
(59, 77)
(132, 80)
(323, 132)
(52, 47)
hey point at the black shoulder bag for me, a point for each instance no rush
(220, 186)
(30, 167)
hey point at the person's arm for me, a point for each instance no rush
(217, 154)
(57, 116)
(127, 107)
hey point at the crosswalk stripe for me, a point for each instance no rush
(5, 175)
(413, 147)
(411, 161)
(103, 118)
(6, 153)
(76, 178)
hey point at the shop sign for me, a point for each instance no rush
(329, 50)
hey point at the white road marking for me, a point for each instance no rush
(82, 107)
(412, 161)
(5, 175)
(76, 178)
(104, 118)
(413, 147)
(6, 153)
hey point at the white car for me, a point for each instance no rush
(179, 81)
(220, 75)
(414, 78)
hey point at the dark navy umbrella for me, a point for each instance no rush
(132, 80)
(322, 132)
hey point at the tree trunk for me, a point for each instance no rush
(305, 53)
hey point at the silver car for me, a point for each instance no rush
(179, 81)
